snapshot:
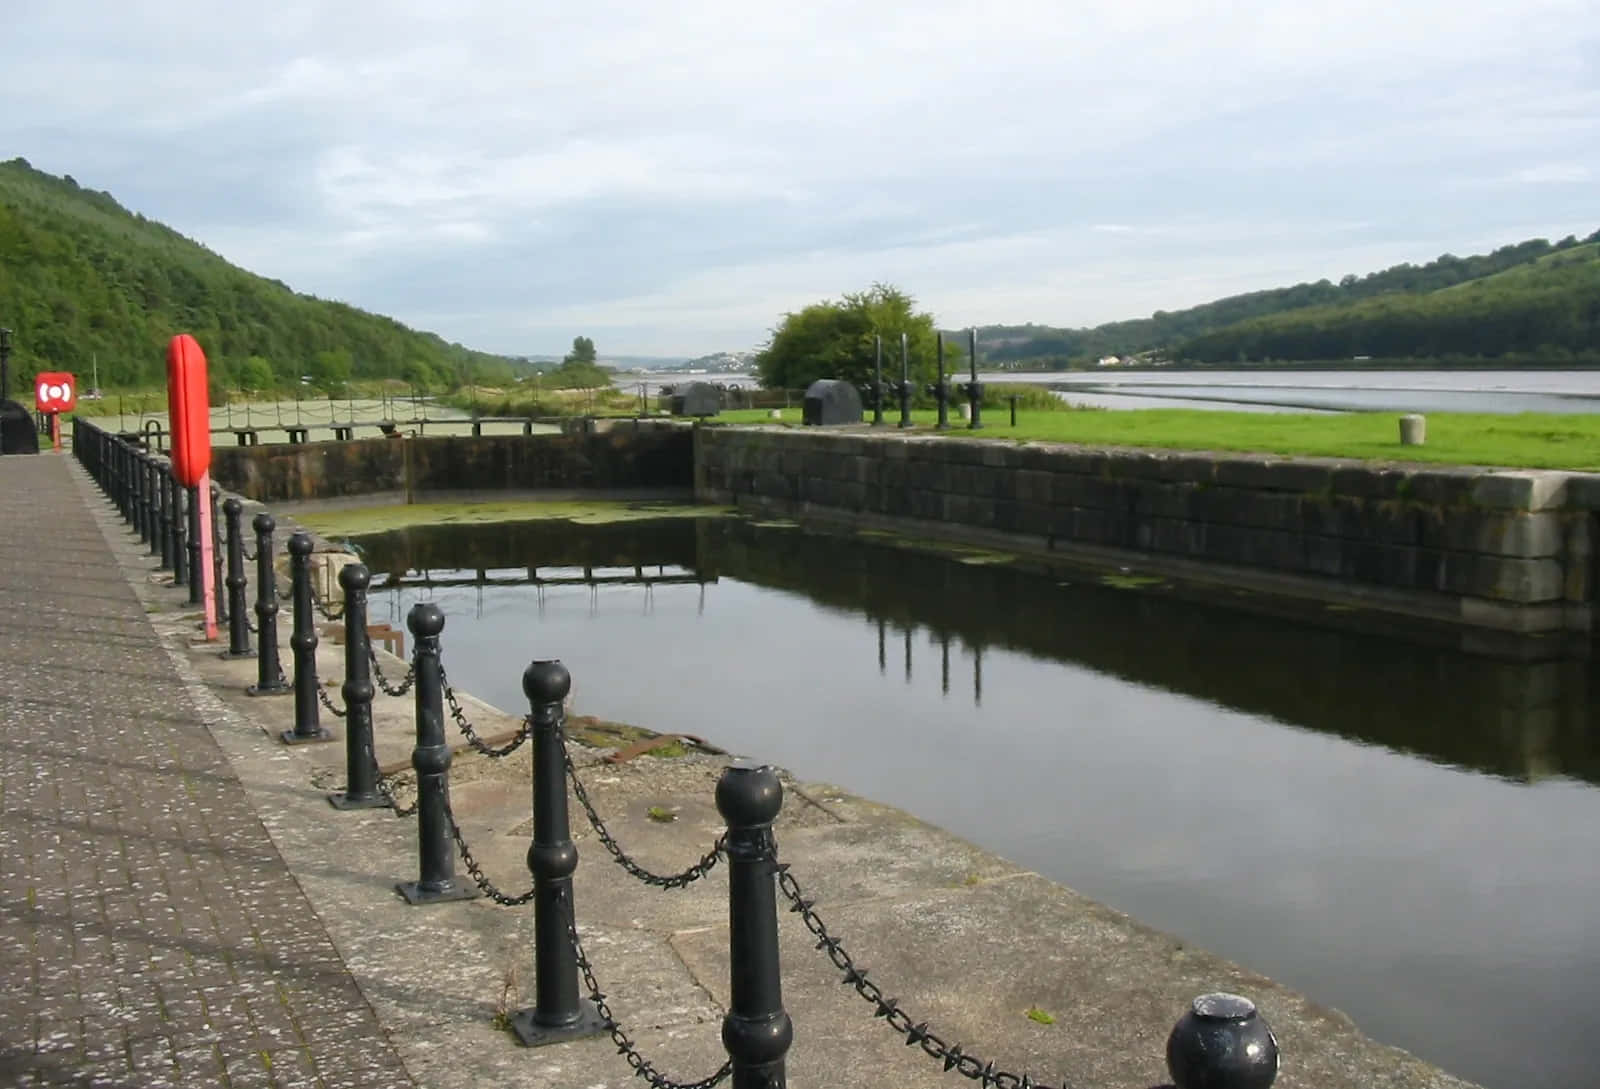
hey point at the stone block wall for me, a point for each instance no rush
(651, 457)
(1500, 549)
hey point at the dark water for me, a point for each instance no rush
(1400, 830)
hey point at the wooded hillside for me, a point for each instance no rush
(82, 279)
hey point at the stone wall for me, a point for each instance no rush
(1507, 550)
(634, 458)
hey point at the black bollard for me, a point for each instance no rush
(197, 582)
(141, 501)
(164, 515)
(557, 1013)
(756, 1031)
(269, 677)
(303, 641)
(152, 491)
(431, 759)
(360, 762)
(1222, 1043)
(218, 590)
(238, 619)
(1013, 400)
(180, 520)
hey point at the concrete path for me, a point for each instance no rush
(150, 933)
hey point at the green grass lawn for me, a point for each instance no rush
(1527, 440)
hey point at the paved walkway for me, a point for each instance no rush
(150, 933)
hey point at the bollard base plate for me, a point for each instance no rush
(234, 656)
(343, 799)
(415, 894)
(269, 690)
(530, 1033)
(289, 737)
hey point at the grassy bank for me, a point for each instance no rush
(1527, 440)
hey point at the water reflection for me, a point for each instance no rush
(1399, 829)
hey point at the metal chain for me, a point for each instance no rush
(476, 871)
(383, 682)
(465, 727)
(338, 712)
(321, 606)
(915, 1032)
(641, 1066)
(386, 788)
(707, 862)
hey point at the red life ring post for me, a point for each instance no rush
(189, 412)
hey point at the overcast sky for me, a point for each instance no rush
(670, 177)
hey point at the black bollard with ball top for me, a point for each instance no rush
(1222, 1043)
(557, 1014)
(303, 641)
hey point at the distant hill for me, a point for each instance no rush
(1534, 302)
(82, 278)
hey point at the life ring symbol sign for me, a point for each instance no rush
(55, 391)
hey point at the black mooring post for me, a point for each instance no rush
(1013, 400)
(756, 1031)
(238, 617)
(557, 1013)
(197, 582)
(360, 761)
(269, 677)
(974, 387)
(431, 759)
(219, 592)
(303, 641)
(941, 391)
(164, 515)
(877, 383)
(180, 521)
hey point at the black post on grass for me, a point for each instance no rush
(238, 615)
(756, 1031)
(437, 881)
(269, 677)
(360, 760)
(303, 641)
(905, 383)
(877, 383)
(974, 387)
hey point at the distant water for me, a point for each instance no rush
(1326, 391)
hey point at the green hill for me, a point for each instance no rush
(1534, 302)
(82, 278)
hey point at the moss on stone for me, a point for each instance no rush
(357, 521)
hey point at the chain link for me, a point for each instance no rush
(476, 871)
(386, 788)
(383, 682)
(707, 862)
(641, 1066)
(465, 727)
(915, 1032)
(338, 712)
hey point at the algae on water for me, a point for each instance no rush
(358, 521)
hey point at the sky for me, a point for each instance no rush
(672, 177)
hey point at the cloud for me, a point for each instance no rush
(685, 173)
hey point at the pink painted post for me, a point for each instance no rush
(208, 570)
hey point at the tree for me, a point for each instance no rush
(837, 340)
(255, 374)
(330, 370)
(582, 351)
